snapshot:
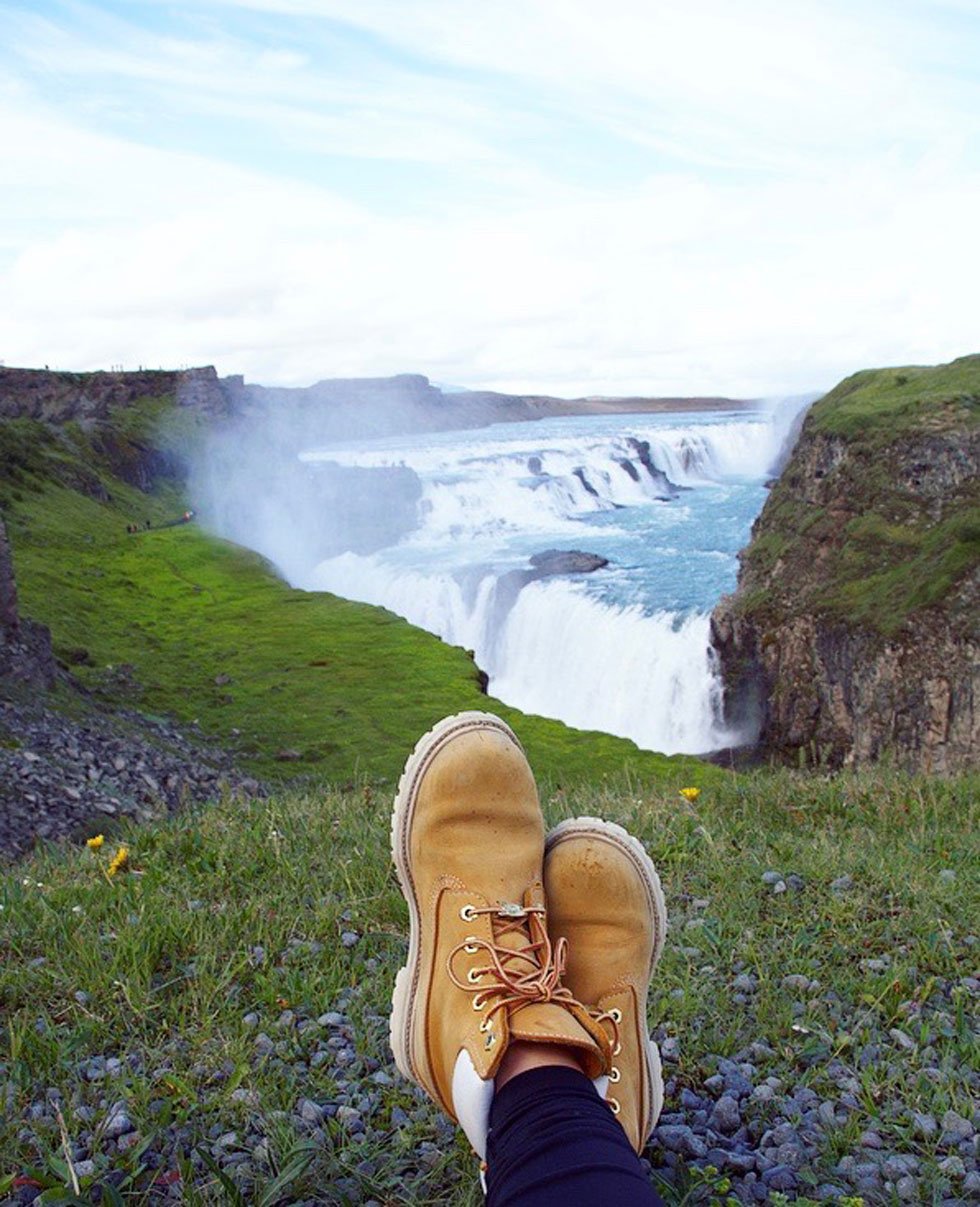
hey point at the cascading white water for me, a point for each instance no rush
(667, 499)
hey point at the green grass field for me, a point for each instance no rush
(157, 969)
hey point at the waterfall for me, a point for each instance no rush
(441, 528)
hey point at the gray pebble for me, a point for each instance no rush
(955, 1129)
(725, 1116)
(971, 1184)
(780, 1177)
(670, 1049)
(681, 1139)
(117, 1121)
(842, 883)
(952, 1167)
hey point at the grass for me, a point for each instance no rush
(884, 403)
(157, 968)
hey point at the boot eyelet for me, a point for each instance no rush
(614, 1074)
(473, 975)
(468, 913)
(613, 1105)
(486, 1025)
(477, 1004)
(470, 946)
(616, 1014)
(489, 1042)
(618, 1048)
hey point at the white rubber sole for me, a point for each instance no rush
(407, 1044)
(632, 848)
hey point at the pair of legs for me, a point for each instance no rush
(521, 1010)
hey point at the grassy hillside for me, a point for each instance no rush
(884, 403)
(213, 635)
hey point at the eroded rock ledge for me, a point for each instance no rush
(854, 632)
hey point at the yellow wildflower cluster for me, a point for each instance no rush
(690, 794)
(118, 861)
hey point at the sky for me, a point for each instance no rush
(561, 196)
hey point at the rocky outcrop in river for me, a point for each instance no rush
(854, 632)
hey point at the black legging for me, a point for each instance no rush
(554, 1143)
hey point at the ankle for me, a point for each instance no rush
(522, 1056)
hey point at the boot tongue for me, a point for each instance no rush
(550, 1023)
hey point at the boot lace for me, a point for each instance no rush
(513, 975)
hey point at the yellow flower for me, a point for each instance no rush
(93, 844)
(690, 793)
(119, 861)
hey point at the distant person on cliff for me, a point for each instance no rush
(522, 1008)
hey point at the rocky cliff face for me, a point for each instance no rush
(854, 633)
(57, 397)
(25, 647)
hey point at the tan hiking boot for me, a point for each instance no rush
(604, 897)
(467, 839)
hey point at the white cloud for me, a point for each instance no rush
(845, 238)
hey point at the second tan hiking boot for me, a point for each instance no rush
(604, 897)
(468, 841)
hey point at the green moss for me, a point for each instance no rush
(885, 402)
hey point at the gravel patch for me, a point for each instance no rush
(60, 777)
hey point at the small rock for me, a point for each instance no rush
(725, 1116)
(870, 1139)
(309, 1111)
(117, 1121)
(349, 938)
(947, 876)
(670, 1049)
(84, 1169)
(905, 1042)
(745, 982)
(952, 1167)
(907, 1189)
(842, 884)
(771, 878)
(681, 1139)
(780, 1177)
(925, 1125)
(971, 1185)
(955, 1129)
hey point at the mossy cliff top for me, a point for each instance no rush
(877, 515)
